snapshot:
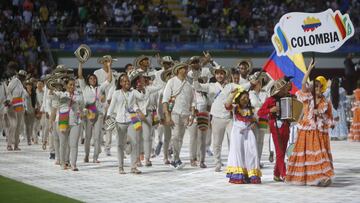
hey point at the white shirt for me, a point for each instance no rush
(245, 83)
(92, 94)
(39, 98)
(28, 104)
(3, 96)
(102, 77)
(184, 95)
(122, 103)
(218, 95)
(15, 89)
(148, 102)
(257, 99)
(65, 103)
(201, 102)
(205, 74)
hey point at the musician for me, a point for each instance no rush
(311, 161)
(94, 98)
(16, 106)
(178, 104)
(278, 128)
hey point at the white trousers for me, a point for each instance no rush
(125, 130)
(178, 133)
(93, 131)
(197, 142)
(220, 126)
(16, 121)
(69, 140)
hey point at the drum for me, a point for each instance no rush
(290, 109)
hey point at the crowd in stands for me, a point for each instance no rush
(254, 20)
(24, 23)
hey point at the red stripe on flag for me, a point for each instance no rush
(273, 70)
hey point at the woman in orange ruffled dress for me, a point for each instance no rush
(311, 162)
(354, 134)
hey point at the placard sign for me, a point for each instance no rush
(311, 32)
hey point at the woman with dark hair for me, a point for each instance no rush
(69, 111)
(337, 96)
(147, 107)
(94, 98)
(124, 108)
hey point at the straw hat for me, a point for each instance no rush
(138, 60)
(149, 74)
(220, 69)
(323, 83)
(105, 58)
(259, 76)
(246, 62)
(278, 86)
(22, 73)
(62, 69)
(134, 74)
(167, 59)
(194, 59)
(166, 75)
(178, 66)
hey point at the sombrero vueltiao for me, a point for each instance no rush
(166, 75)
(278, 86)
(138, 60)
(178, 66)
(247, 62)
(220, 68)
(105, 58)
(134, 74)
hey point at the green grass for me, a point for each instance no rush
(14, 191)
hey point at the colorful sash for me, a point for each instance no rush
(202, 119)
(92, 113)
(135, 121)
(92, 109)
(18, 104)
(155, 118)
(64, 118)
(263, 123)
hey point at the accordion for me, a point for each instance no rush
(291, 109)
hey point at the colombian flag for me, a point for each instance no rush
(280, 66)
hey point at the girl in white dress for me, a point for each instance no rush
(243, 164)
